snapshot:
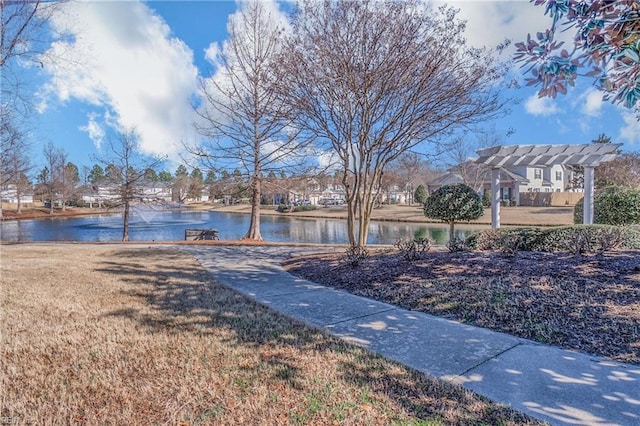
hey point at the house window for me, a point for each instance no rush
(558, 175)
(537, 173)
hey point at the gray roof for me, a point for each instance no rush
(547, 155)
(446, 179)
(511, 175)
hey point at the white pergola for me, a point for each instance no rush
(586, 155)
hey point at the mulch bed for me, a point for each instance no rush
(586, 303)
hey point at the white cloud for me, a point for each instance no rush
(212, 53)
(228, 87)
(94, 130)
(540, 106)
(328, 160)
(490, 22)
(630, 132)
(127, 64)
(593, 103)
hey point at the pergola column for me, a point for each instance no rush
(587, 210)
(495, 198)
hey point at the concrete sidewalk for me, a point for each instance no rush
(551, 384)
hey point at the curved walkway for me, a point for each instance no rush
(559, 386)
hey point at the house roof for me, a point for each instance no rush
(446, 179)
(513, 176)
(548, 155)
(506, 175)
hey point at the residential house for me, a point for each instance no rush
(518, 185)
(9, 194)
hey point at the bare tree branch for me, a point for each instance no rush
(125, 167)
(246, 125)
(375, 79)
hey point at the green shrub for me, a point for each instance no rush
(577, 239)
(456, 245)
(354, 256)
(412, 249)
(486, 198)
(453, 203)
(582, 239)
(472, 241)
(615, 205)
(306, 208)
(507, 240)
(421, 194)
(283, 208)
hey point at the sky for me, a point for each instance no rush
(132, 63)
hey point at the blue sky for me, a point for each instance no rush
(137, 63)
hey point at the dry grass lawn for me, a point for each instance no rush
(134, 335)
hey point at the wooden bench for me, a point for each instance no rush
(200, 234)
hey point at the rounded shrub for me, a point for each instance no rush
(453, 203)
(614, 205)
(421, 194)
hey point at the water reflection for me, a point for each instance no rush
(170, 226)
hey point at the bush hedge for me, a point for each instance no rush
(614, 205)
(283, 208)
(577, 239)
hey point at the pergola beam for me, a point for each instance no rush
(587, 155)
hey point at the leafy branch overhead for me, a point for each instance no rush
(606, 47)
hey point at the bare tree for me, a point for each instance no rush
(70, 181)
(623, 171)
(127, 170)
(246, 125)
(15, 161)
(412, 170)
(63, 184)
(376, 78)
(462, 152)
(51, 175)
(24, 38)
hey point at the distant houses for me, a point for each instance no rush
(9, 194)
(522, 185)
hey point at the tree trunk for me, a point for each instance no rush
(18, 199)
(254, 225)
(352, 205)
(365, 219)
(451, 235)
(125, 224)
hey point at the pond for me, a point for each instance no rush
(170, 226)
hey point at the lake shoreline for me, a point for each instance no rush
(510, 216)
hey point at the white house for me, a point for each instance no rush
(9, 194)
(514, 180)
